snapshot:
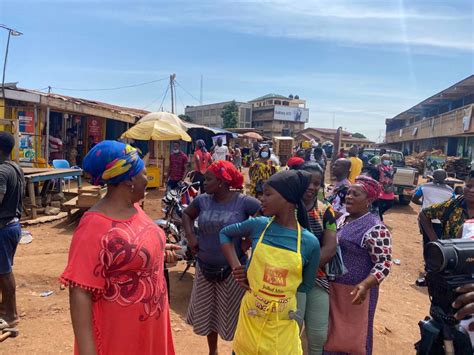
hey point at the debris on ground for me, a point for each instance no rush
(397, 261)
(26, 237)
(46, 293)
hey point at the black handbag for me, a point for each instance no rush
(214, 273)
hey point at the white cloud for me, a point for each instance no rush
(388, 23)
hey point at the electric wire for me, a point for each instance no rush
(157, 99)
(112, 88)
(187, 92)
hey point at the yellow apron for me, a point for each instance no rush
(264, 325)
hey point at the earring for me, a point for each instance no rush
(132, 187)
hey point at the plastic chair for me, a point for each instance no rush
(63, 164)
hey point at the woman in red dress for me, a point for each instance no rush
(118, 295)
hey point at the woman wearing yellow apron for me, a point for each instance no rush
(284, 260)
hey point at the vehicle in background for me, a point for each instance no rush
(405, 179)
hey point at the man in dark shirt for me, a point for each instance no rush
(11, 197)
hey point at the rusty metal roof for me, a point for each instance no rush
(133, 112)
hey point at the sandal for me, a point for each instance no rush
(4, 324)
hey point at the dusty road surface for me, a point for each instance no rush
(46, 328)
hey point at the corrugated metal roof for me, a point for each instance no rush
(455, 92)
(133, 112)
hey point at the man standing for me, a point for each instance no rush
(430, 193)
(362, 156)
(356, 164)
(55, 146)
(220, 151)
(178, 161)
(337, 195)
(11, 198)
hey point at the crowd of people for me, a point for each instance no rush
(279, 258)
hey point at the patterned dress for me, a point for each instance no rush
(260, 172)
(366, 246)
(121, 263)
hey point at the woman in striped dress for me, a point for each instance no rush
(216, 296)
(314, 305)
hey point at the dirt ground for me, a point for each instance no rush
(46, 328)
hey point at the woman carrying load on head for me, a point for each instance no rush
(118, 294)
(285, 259)
(216, 296)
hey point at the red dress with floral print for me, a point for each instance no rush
(121, 263)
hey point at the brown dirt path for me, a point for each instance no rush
(45, 324)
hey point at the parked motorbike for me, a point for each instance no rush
(173, 205)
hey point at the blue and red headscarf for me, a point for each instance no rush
(111, 162)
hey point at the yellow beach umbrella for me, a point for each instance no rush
(157, 131)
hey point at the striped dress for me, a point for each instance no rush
(214, 306)
(321, 217)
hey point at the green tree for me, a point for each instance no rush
(186, 118)
(358, 135)
(230, 115)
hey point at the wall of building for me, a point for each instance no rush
(444, 125)
(210, 115)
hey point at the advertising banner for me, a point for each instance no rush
(27, 136)
(95, 129)
(289, 113)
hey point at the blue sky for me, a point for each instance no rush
(357, 61)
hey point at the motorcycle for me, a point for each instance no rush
(173, 205)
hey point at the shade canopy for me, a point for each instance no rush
(158, 126)
(253, 135)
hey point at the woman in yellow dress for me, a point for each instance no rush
(284, 260)
(259, 172)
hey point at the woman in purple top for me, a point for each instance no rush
(216, 296)
(367, 254)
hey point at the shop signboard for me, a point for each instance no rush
(27, 136)
(290, 113)
(95, 129)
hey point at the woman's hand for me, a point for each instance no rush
(170, 254)
(465, 303)
(360, 293)
(240, 275)
(193, 245)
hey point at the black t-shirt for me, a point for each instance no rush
(12, 185)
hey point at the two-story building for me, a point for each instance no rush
(442, 121)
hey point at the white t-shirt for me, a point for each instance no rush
(433, 193)
(220, 153)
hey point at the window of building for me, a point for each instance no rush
(277, 102)
(269, 102)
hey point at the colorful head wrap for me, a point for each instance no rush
(293, 162)
(111, 162)
(370, 186)
(226, 171)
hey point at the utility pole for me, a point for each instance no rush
(172, 88)
(200, 96)
(11, 32)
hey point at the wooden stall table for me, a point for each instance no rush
(36, 175)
